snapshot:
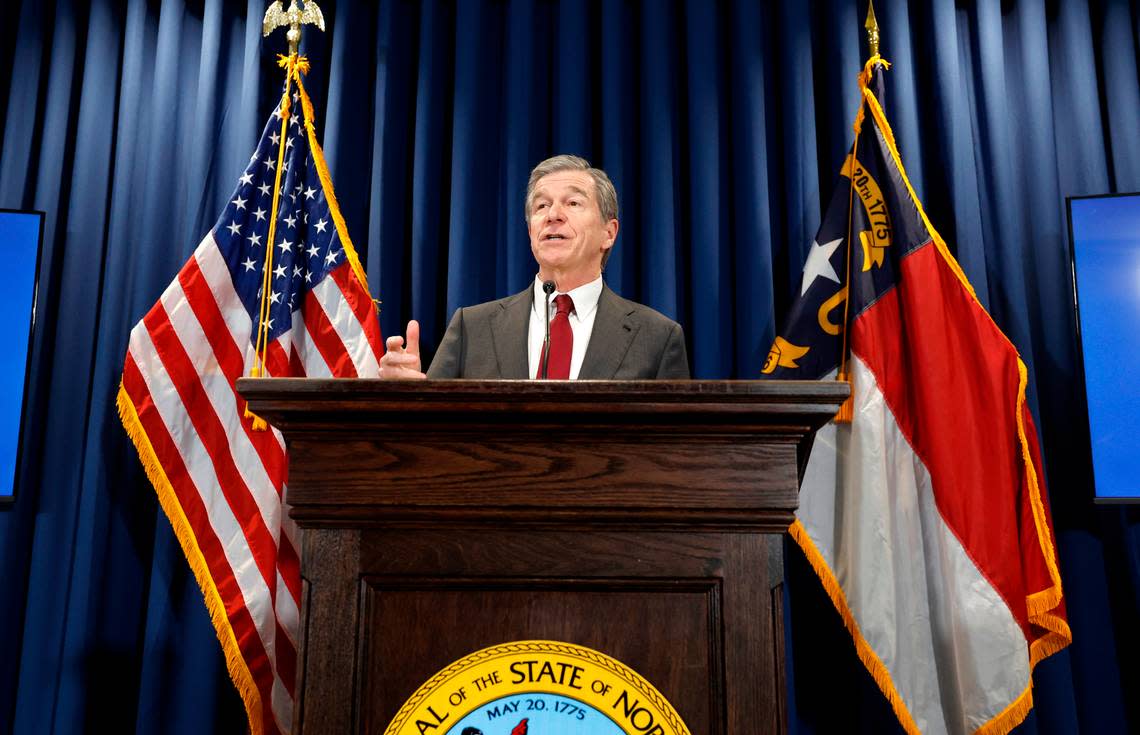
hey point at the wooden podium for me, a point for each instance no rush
(640, 519)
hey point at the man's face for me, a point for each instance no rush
(567, 234)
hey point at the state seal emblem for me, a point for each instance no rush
(537, 688)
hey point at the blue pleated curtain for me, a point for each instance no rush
(723, 124)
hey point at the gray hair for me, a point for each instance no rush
(603, 188)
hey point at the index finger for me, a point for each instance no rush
(414, 337)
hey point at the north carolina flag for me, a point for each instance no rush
(926, 517)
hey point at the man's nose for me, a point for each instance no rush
(554, 213)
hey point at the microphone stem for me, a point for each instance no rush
(546, 342)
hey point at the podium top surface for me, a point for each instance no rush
(298, 402)
(650, 454)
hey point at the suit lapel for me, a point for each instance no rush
(509, 327)
(614, 330)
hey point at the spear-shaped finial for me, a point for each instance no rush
(872, 27)
(276, 16)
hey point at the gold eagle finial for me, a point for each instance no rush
(276, 16)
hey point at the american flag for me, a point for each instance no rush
(221, 482)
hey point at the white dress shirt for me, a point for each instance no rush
(581, 323)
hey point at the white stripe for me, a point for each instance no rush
(289, 526)
(217, 275)
(282, 705)
(954, 650)
(168, 404)
(224, 403)
(311, 359)
(249, 465)
(288, 613)
(237, 319)
(348, 327)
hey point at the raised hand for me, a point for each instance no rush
(402, 362)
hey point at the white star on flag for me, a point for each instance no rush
(819, 264)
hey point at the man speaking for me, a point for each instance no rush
(593, 333)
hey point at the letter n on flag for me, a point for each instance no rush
(220, 481)
(926, 516)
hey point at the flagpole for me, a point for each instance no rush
(847, 411)
(275, 17)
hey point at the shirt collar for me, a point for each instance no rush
(585, 297)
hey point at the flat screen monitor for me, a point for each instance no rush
(20, 235)
(1105, 232)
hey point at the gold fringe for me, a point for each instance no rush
(1050, 643)
(1042, 602)
(330, 195)
(235, 662)
(867, 655)
(888, 134)
(1011, 716)
(1039, 604)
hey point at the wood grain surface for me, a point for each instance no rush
(642, 519)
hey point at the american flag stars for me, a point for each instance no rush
(304, 254)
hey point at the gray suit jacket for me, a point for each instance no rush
(629, 342)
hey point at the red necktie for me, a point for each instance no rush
(561, 340)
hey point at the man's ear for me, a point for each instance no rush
(611, 233)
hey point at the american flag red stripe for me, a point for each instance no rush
(190, 504)
(277, 362)
(211, 434)
(362, 308)
(217, 467)
(296, 367)
(325, 338)
(201, 300)
(221, 482)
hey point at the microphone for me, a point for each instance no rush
(548, 288)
